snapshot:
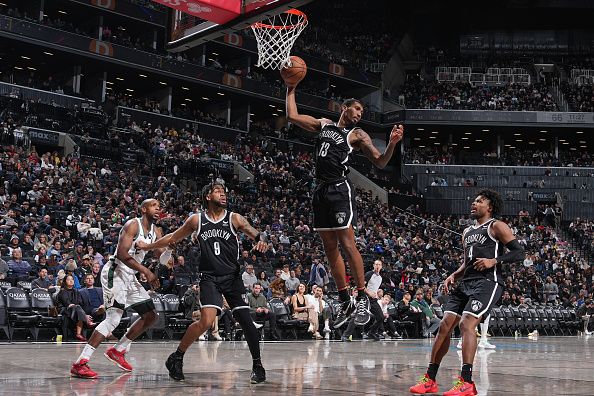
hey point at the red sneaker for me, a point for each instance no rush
(462, 388)
(82, 370)
(118, 358)
(425, 385)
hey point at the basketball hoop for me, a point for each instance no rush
(276, 37)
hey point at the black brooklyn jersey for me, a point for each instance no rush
(479, 243)
(332, 153)
(219, 246)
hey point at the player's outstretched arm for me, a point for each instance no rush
(241, 224)
(189, 226)
(304, 121)
(364, 143)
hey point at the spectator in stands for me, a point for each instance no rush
(406, 312)
(318, 274)
(292, 283)
(277, 274)
(248, 277)
(316, 299)
(550, 291)
(388, 326)
(166, 277)
(70, 305)
(263, 281)
(181, 272)
(43, 281)
(304, 311)
(19, 268)
(285, 273)
(3, 269)
(92, 299)
(27, 246)
(585, 312)
(431, 322)
(260, 311)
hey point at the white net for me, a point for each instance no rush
(276, 37)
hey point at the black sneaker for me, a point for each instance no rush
(175, 365)
(344, 312)
(362, 313)
(258, 375)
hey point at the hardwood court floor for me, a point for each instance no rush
(549, 366)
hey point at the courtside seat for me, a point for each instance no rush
(20, 316)
(41, 300)
(284, 321)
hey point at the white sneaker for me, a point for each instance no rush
(202, 337)
(258, 325)
(326, 335)
(217, 337)
(459, 346)
(486, 345)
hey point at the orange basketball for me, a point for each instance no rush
(294, 74)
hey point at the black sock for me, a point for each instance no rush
(257, 362)
(466, 372)
(432, 370)
(361, 294)
(179, 353)
(343, 295)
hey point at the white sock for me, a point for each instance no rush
(86, 353)
(485, 328)
(123, 344)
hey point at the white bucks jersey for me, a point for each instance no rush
(147, 237)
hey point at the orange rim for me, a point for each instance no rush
(260, 25)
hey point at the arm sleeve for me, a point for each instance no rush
(515, 253)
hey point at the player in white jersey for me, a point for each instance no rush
(121, 290)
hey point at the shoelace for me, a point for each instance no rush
(361, 307)
(458, 384)
(424, 379)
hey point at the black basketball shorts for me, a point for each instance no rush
(213, 288)
(475, 297)
(334, 206)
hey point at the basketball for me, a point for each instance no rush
(294, 74)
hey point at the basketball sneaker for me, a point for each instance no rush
(343, 313)
(462, 388)
(118, 358)
(425, 385)
(258, 374)
(175, 366)
(459, 346)
(82, 370)
(486, 345)
(362, 312)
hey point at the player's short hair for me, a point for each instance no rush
(351, 101)
(494, 199)
(207, 189)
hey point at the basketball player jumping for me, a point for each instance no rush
(334, 205)
(216, 231)
(480, 289)
(121, 290)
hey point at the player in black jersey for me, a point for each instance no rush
(334, 203)
(480, 288)
(215, 229)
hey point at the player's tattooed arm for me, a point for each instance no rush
(365, 144)
(303, 121)
(241, 224)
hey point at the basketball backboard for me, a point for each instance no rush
(198, 21)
